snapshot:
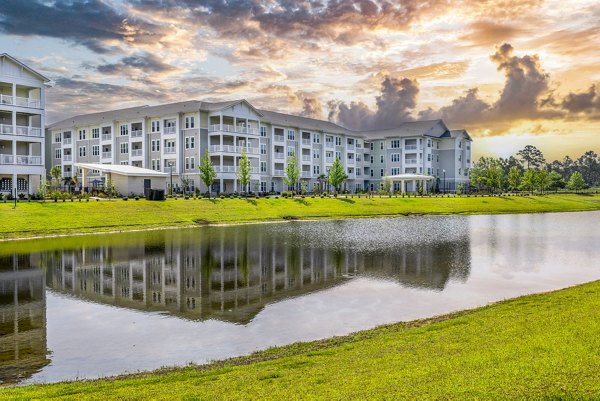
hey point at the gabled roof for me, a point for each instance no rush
(290, 120)
(31, 70)
(218, 106)
(433, 128)
(130, 171)
(457, 132)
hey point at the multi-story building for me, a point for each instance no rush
(22, 122)
(174, 137)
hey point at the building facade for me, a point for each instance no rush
(172, 138)
(22, 122)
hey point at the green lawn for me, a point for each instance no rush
(33, 219)
(543, 346)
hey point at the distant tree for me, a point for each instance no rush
(337, 175)
(589, 167)
(542, 179)
(55, 173)
(576, 182)
(556, 181)
(292, 171)
(514, 178)
(207, 171)
(245, 170)
(303, 187)
(386, 184)
(532, 157)
(528, 182)
(510, 162)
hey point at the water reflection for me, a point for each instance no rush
(231, 273)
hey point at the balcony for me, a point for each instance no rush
(233, 149)
(350, 147)
(410, 161)
(67, 158)
(233, 129)
(136, 152)
(278, 173)
(169, 131)
(29, 131)
(411, 147)
(279, 138)
(306, 174)
(6, 159)
(279, 155)
(6, 99)
(306, 141)
(27, 102)
(350, 161)
(169, 150)
(106, 137)
(329, 145)
(305, 158)
(106, 155)
(6, 129)
(233, 169)
(66, 141)
(329, 160)
(139, 133)
(29, 160)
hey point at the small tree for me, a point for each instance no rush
(514, 178)
(529, 181)
(576, 182)
(55, 173)
(292, 171)
(245, 170)
(386, 184)
(303, 187)
(556, 181)
(543, 180)
(207, 172)
(337, 175)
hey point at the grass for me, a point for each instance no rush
(46, 219)
(543, 346)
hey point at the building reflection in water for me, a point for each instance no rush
(224, 273)
(23, 349)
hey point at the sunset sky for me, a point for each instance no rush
(512, 72)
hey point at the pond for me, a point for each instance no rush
(97, 305)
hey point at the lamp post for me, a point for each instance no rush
(444, 171)
(171, 172)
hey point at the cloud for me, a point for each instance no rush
(486, 33)
(462, 111)
(587, 102)
(394, 105)
(139, 63)
(91, 23)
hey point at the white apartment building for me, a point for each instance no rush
(172, 138)
(22, 122)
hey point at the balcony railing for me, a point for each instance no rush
(329, 144)
(6, 99)
(306, 174)
(169, 150)
(137, 133)
(279, 138)
(279, 155)
(410, 161)
(6, 159)
(29, 160)
(29, 131)
(136, 152)
(233, 149)
(106, 155)
(106, 137)
(169, 130)
(305, 158)
(6, 129)
(305, 141)
(411, 147)
(20, 101)
(233, 169)
(233, 129)
(329, 160)
(67, 158)
(350, 161)
(350, 147)
(278, 173)
(66, 141)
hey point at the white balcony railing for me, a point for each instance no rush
(329, 144)
(233, 129)
(279, 138)
(139, 133)
(29, 160)
(233, 149)
(6, 129)
(66, 141)
(350, 147)
(305, 158)
(29, 131)
(411, 147)
(6, 159)
(329, 160)
(305, 141)
(27, 102)
(410, 161)
(6, 99)
(306, 174)
(106, 137)
(67, 158)
(278, 173)
(233, 169)
(350, 161)
(279, 155)
(170, 150)
(106, 155)
(169, 130)
(136, 152)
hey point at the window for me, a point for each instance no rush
(437, 158)
(190, 122)
(395, 170)
(124, 148)
(95, 133)
(156, 145)
(459, 144)
(350, 156)
(263, 167)
(372, 159)
(155, 126)
(190, 163)
(395, 157)
(459, 171)
(124, 130)
(81, 134)
(58, 138)
(338, 141)
(371, 172)
(358, 158)
(329, 140)
(350, 170)
(190, 142)
(338, 155)
(316, 154)
(263, 148)
(459, 158)
(263, 186)
(82, 151)
(124, 163)
(428, 143)
(291, 151)
(428, 157)
(395, 144)
(58, 153)
(291, 135)
(382, 157)
(381, 145)
(381, 173)
(429, 170)
(316, 138)
(263, 132)
(371, 145)
(95, 150)
(316, 170)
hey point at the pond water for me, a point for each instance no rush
(90, 306)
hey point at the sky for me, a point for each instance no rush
(511, 72)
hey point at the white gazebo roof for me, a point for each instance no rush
(130, 171)
(408, 177)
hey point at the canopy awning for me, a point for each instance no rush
(410, 177)
(126, 170)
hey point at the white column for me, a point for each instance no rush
(83, 179)
(424, 186)
(14, 183)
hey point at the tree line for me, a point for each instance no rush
(529, 171)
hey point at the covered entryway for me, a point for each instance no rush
(126, 179)
(409, 182)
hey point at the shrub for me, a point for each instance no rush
(125, 198)
(137, 198)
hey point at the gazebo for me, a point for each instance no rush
(413, 178)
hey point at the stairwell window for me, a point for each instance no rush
(124, 148)
(263, 132)
(81, 134)
(124, 130)
(95, 133)
(291, 135)
(263, 148)
(95, 150)
(155, 126)
(395, 157)
(190, 122)
(395, 144)
(58, 154)
(82, 151)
